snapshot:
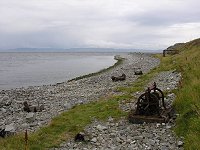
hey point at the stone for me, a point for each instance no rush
(168, 127)
(33, 124)
(67, 105)
(5, 98)
(79, 137)
(25, 125)
(94, 140)
(110, 119)
(180, 143)
(30, 117)
(118, 140)
(3, 110)
(10, 128)
(138, 137)
(8, 103)
(157, 125)
(101, 128)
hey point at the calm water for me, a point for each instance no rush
(29, 69)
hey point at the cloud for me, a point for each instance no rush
(148, 24)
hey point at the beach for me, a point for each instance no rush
(63, 96)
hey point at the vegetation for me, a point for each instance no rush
(188, 96)
(187, 102)
(66, 125)
(119, 62)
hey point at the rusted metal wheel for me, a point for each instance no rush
(147, 104)
(160, 96)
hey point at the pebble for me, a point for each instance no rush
(124, 135)
(62, 97)
(103, 135)
(30, 117)
(10, 128)
(180, 143)
(129, 136)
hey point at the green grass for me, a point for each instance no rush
(67, 124)
(187, 102)
(119, 62)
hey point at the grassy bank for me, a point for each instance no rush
(188, 96)
(187, 102)
(119, 62)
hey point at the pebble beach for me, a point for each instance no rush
(63, 96)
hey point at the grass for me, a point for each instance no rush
(67, 125)
(187, 102)
(119, 62)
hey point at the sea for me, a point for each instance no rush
(23, 69)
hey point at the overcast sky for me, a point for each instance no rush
(143, 24)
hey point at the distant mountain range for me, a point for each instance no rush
(78, 50)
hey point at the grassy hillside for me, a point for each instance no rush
(188, 95)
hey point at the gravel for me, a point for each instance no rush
(112, 134)
(122, 135)
(63, 96)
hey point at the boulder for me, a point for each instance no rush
(119, 78)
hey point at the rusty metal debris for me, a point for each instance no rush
(150, 107)
(29, 108)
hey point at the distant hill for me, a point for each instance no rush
(79, 50)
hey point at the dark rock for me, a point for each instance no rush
(139, 72)
(119, 78)
(2, 133)
(79, 138)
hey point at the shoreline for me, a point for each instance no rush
(119, 61)
(62, 97)
(24, 77)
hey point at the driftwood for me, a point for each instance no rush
(119, 78)
(29, 108)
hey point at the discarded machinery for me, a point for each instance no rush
(150, 107)
(119, 78)
(29, 108)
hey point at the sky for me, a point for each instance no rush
(121, 24)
